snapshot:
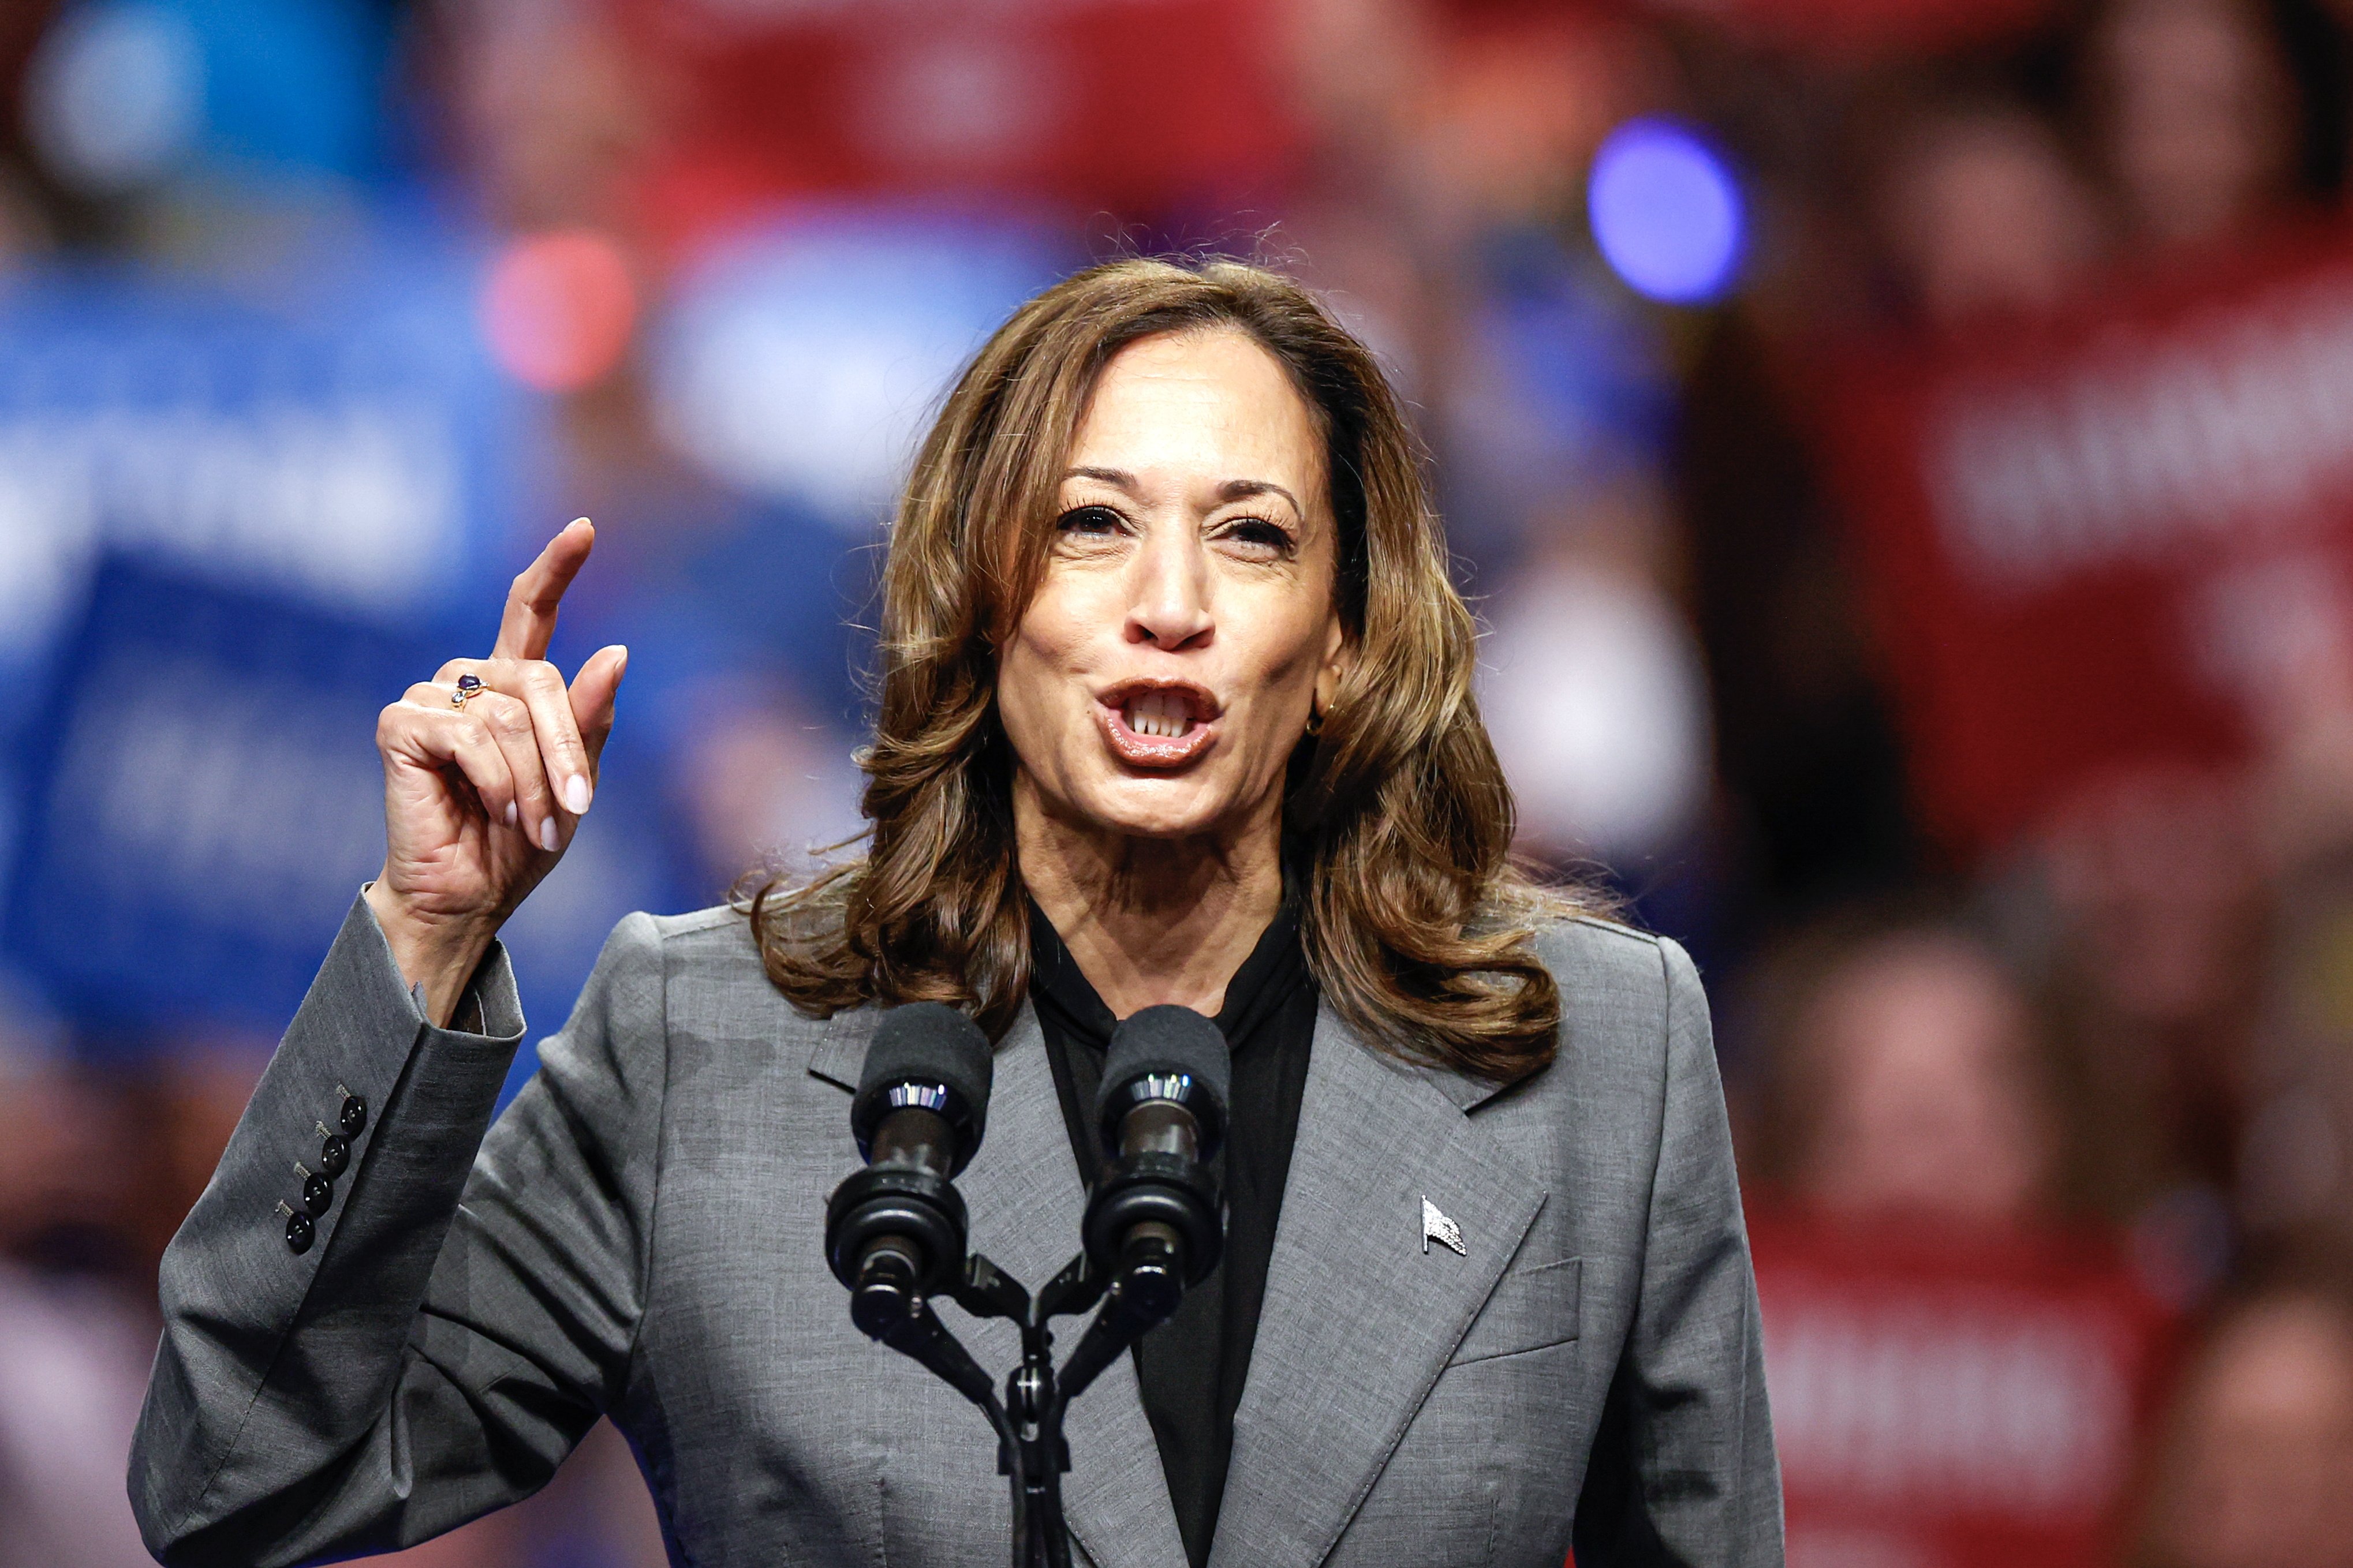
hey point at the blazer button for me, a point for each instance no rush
(352, 1117)
(318, 1193)
(300, 1234)
(334, 1154)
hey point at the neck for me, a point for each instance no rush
(1151, 920)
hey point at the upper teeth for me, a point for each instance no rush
(1163, 714)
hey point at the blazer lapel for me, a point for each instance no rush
(1358, 1319)
(1023, 1194)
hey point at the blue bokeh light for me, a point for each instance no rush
(1666, 212)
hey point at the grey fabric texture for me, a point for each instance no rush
(640, 1234)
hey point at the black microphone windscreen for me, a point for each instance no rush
(1167, 1040)
(930, 1042)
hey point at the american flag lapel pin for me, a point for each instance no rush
(1437, 1228)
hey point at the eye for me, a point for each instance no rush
(1088, 521)
(1259, 536)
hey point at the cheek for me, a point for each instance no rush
(1284, 642)
(1033, 672)
(1064, 615)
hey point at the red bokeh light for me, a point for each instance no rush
(558, 309)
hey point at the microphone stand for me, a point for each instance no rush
(1142, 1290)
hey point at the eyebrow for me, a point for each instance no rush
(1231, 490)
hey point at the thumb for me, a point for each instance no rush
(594, 692)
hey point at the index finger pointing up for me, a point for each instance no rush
(530, 619)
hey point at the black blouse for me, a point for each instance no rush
(1192, 1367)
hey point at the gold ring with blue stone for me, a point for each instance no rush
(468, 686)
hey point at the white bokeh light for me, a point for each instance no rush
(800, 364)
(114, 97)
(1594, 691)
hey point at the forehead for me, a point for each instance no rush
(1188, 403)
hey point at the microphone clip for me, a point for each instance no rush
(1136, 1296)
(1152, 1227)
(894, 1234)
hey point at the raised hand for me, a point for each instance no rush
(488, 768)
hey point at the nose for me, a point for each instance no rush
(1168, 603)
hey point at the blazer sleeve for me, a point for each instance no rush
(1683, 1471)
(468, 1306)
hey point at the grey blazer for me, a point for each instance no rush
(639, 1236)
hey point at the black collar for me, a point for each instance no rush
(1265, 979)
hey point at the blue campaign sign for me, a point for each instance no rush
(203, 800)
(341, 436)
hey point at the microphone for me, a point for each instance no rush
(894, 1232)
(1154, 1223)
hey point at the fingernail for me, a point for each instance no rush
(547, 836)
(510, 814)
(621, 668)
(576, 794)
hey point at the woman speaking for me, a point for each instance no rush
(1175, 708)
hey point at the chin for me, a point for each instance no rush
(1150, 808)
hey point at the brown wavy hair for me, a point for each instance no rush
(1416, 923)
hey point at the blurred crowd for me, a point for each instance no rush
(2006, 799)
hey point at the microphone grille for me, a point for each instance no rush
(1166, 1041)
(931, 1045)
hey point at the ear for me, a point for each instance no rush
(1339, 658)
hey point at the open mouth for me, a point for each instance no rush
(1160, 726)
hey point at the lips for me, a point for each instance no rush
(1155, 725)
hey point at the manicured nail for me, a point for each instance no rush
(576, 794)
(510, 814)
(547, 836)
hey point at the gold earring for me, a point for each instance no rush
(1314, 721)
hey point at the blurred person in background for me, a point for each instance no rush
(1958, 1364)
(1906, 1085)
(550, 112)
(1983, 214)
(2254, 1468)
(2290, 1168)
(24, 227)
(1595, 687)
(736, 593)
(73, 1339)
(1550, 390)
(2147, 924)
(2191, 114)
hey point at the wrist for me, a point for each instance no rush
(436, 950)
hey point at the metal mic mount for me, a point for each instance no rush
(896, 1231)
(1142, 1289)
